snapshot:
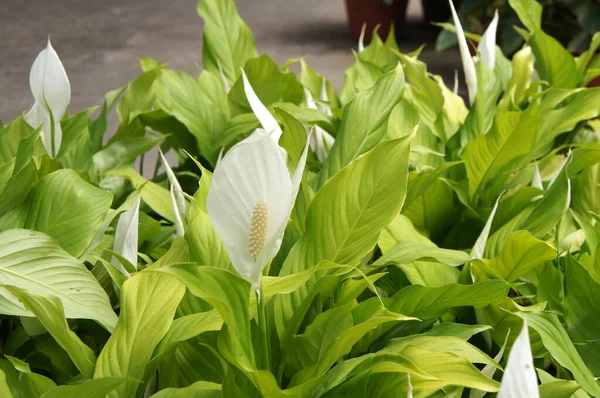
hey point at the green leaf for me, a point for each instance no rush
(124, 151)
(49, 311)
(561, 348)
(425, 95)
(96, 388)
(65, 207)
(206, 248)
(346, 216)
(520, 253)
(229, 294)
(76, 149)
(441, 344)
(364, 123)
(582, 315)
(200, 389)
(201, 105)
(24, 263)
(520, 80)
(155, 196)
(294, 138)
(227, 41)
(432, 302)
(574, 106)
(269, 82)
(511, 138)
(401, 229)
(406, 252)
(529, 12)
(480, 118)
(29, 384)
(447, 369)
(553, 62)
(148, 304)
(331, 336)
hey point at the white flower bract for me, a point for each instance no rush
(252, 195)
(52, 93)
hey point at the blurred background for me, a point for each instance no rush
(99, 42)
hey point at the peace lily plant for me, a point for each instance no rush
(52, 93)
(383, 240)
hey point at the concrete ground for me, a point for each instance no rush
(99, 41)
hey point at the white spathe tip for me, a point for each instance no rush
(361, 39)
(52, 93)
(487, 45)
(479, 247)
(519, 379)
(126, 237)
(260, 110)
(177, 198)
(465, 55)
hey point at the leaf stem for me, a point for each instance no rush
(264, 331)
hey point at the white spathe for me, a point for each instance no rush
(52, 93)
(252, 180)
(519, 379)
(252, 195)
(126, 237)
(465, 55)
(486, 49)
(262, 113)
(321, 141)
(177, 198)
(487, 45)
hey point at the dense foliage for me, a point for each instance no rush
(403, 251)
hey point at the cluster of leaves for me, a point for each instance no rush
(572, 23)
(424, 235)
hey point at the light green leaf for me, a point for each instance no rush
(520, 253)
(229, 294)
(407, 252)
(270, 83)
(124, 151)
(561, 348)
(553, 62)
(529, 12)
(432, 302)
(346, 216)
(364, 123)
(148, 304)
(155, 196)
(200, 389)
(331, 336)
(25, 259)
(206, 248)
(401, 229)
(49, 311)
(582, 315)
(228, 42)
(480, 118)
(65, 207)
(201, 105)
(512, 137)
(447, 369)
(96, 388)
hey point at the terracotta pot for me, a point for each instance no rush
(373, 13)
